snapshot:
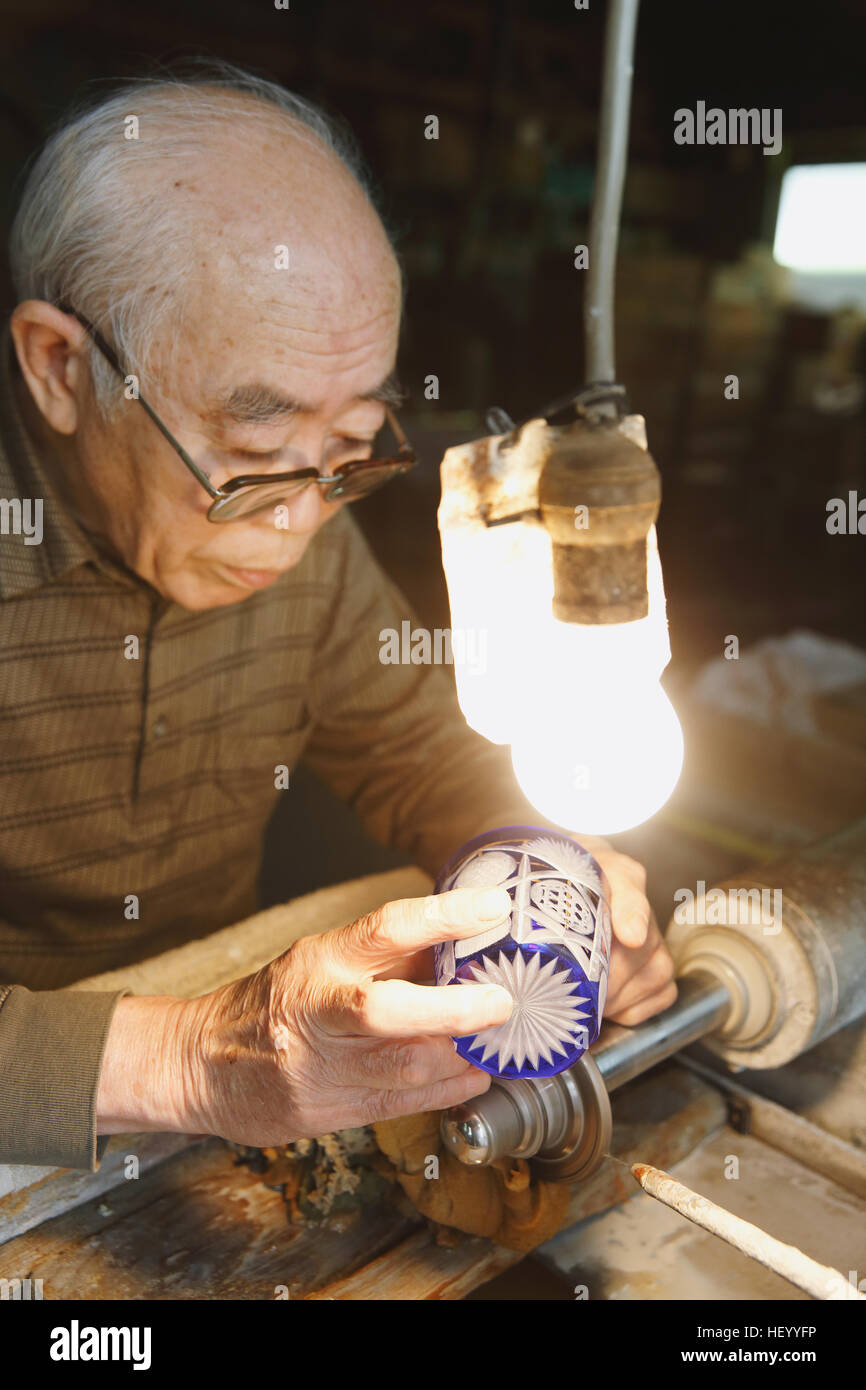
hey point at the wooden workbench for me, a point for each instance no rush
(201, 1225)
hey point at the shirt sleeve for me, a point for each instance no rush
(390, 739)
(51, 1047)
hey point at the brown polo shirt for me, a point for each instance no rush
(141, 748)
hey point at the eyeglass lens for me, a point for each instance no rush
(260, 497)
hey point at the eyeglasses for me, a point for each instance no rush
(252, 493)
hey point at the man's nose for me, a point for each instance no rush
(308, 448)
(298, 511)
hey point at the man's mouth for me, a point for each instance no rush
(251, 579)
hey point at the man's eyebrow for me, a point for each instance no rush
(389, 392)
(257, 404)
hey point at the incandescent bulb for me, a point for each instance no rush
(605, 765)
(595, 742)
(602, 750)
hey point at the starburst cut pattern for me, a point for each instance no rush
(571, 862)
(546, 1016)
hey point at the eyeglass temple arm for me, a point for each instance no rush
(398, 431)
(114, 361)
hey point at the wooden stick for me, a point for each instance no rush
(821, 1281)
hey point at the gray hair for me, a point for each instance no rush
(83, 234)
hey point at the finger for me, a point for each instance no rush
(630, 911)
(387, 1105)
(626, 961)
(399, 1064)
(655, 975)
(397, 1009)
(382, 937)
(647, 1008)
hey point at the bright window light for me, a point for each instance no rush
(821, 224)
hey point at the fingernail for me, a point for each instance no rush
(636, 926)
(491, 903)
(484, 1006)
(496, 1000)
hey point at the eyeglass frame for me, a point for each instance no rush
(404, 459)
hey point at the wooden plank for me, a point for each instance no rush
(826, 1085)
(422, 1269)
(200, 966)
(199, 1226)
(31, 1195)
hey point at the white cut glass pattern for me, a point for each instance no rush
(447, 963)
(547, 1015)
(572, 862)
(486, 870)
(563, 906)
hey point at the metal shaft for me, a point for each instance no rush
(702, 1005)
(563, 1121)
(607, 197)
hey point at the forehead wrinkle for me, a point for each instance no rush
(281, 318)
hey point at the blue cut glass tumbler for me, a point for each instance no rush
(552, 954)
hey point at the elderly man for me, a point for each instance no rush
(207, 294)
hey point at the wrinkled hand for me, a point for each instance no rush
(641, 981)
(326, 1038)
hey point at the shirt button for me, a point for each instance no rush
(160, 727)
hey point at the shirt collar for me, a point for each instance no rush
(25, 478)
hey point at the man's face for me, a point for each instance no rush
(276, 370)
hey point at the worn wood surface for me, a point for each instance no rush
(197, 1227)
(200, 1226)
(31, 1195)
(215, 960)
(827, 1084)
(421, 1269)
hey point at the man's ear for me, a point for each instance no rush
(50, 347)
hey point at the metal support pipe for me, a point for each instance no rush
(607, 197)
(703, 1003)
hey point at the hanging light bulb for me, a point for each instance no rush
(601, 750)
(596, 744)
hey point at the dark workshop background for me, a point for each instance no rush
(486, 219)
